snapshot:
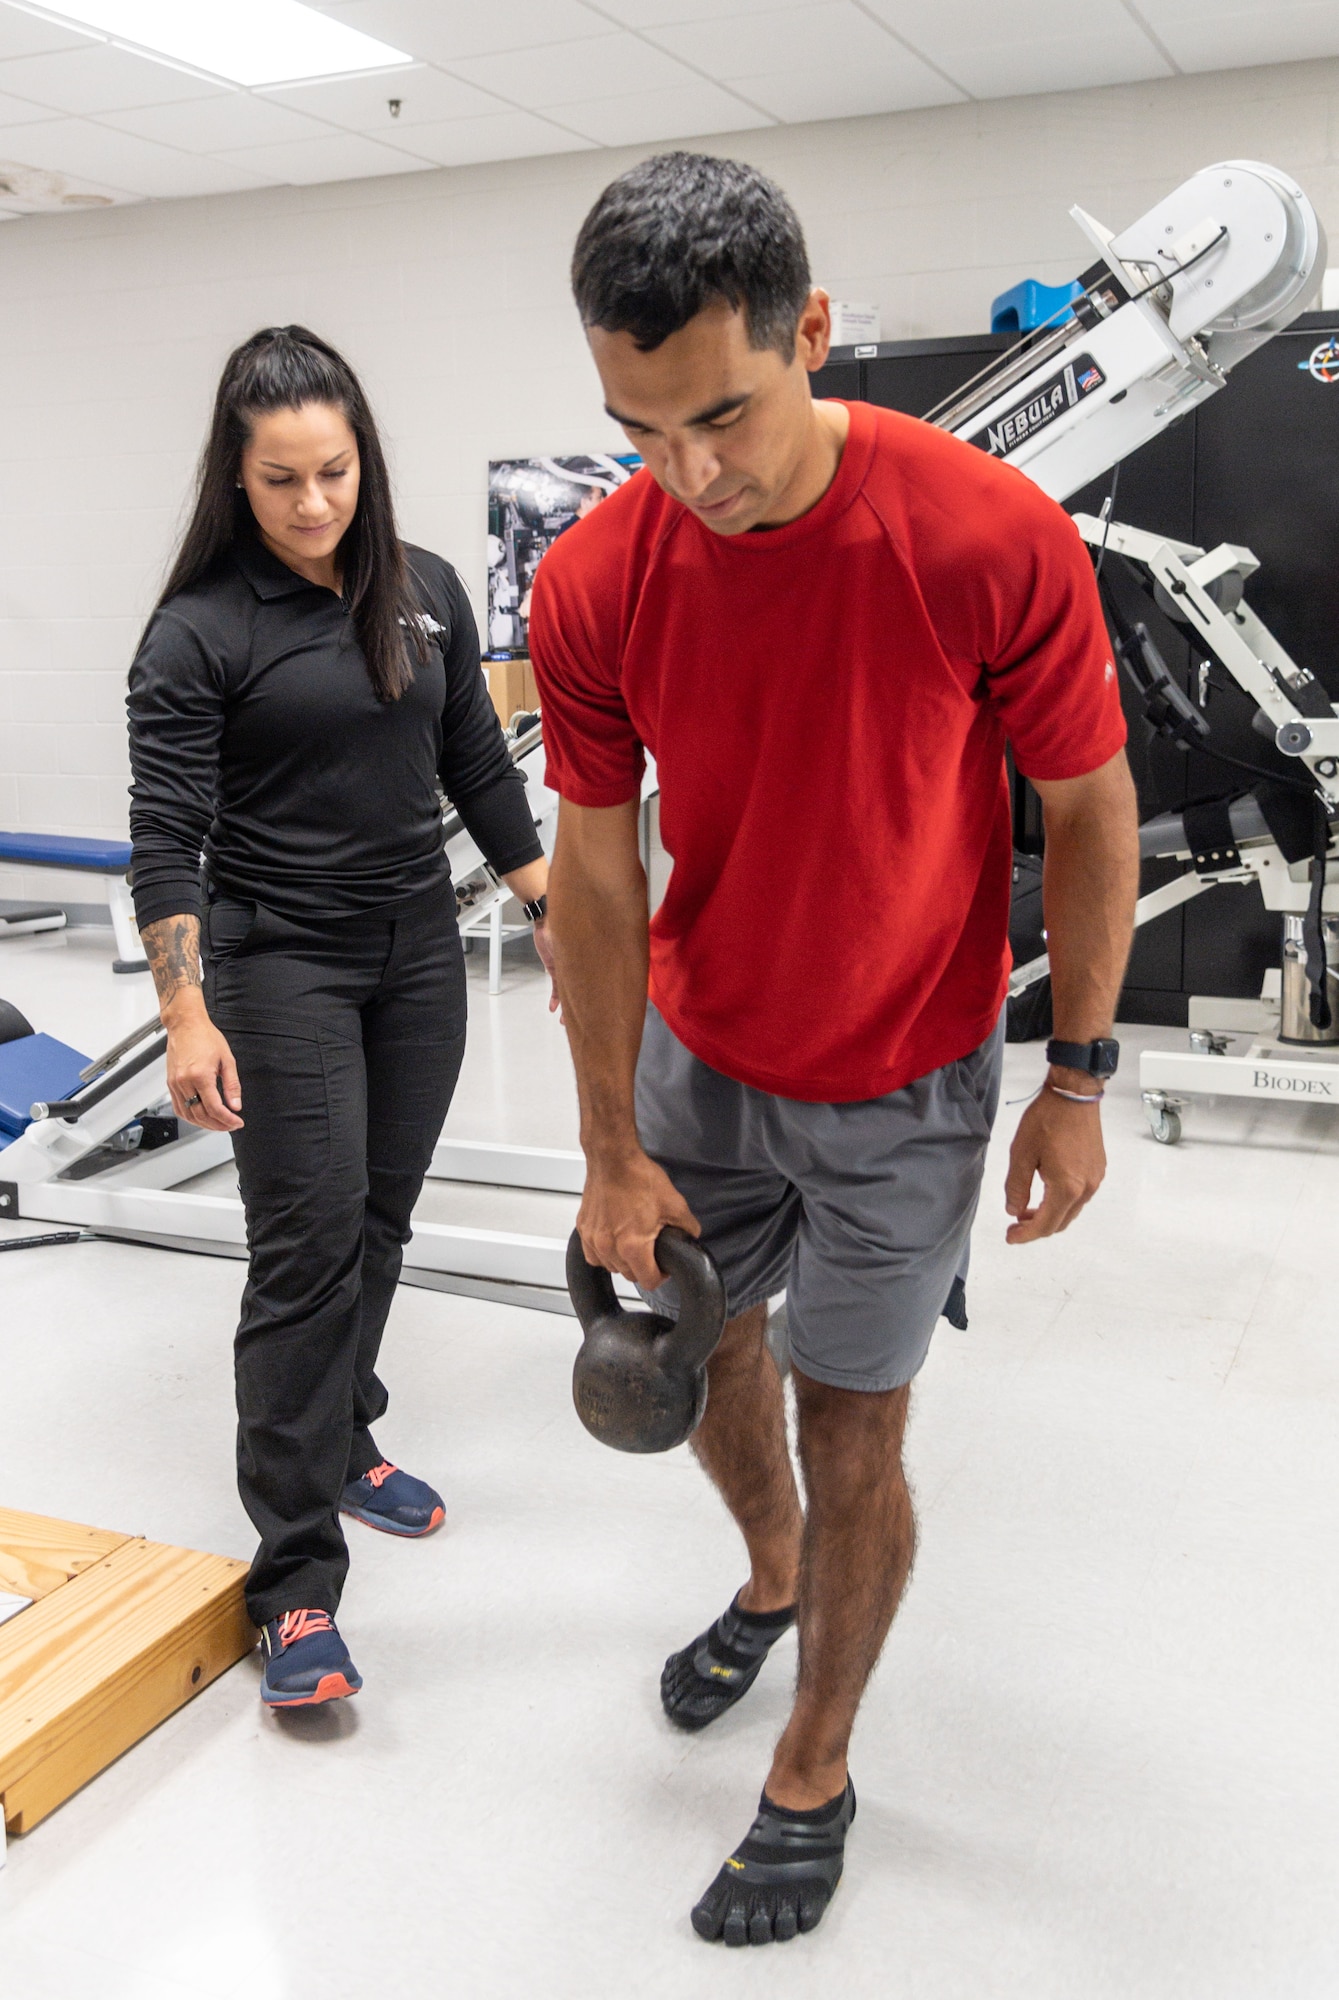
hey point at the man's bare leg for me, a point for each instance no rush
(859, 1541)
(741, 1443)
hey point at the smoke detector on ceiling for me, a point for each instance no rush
(32, 190)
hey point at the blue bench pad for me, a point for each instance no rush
(64, 850)
(34, 1069)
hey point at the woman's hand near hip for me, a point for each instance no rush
(529, 885)
(201, 1074)
(544, 946)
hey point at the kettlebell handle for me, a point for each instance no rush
(693, 1269)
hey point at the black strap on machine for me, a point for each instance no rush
(1168, 708)
(1170, 712)
(1209, 835)
(1313, 930)
(1290, 814)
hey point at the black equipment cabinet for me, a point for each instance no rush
(1258, 464)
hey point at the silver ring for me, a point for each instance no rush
(189, 1101)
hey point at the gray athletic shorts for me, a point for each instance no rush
(861, 1212)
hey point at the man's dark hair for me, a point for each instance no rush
(683, 231)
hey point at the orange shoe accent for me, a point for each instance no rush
(331, 1687)
(380, 1473)
(438, 1516)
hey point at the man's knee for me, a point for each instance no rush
(847, 1426)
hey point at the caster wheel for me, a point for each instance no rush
(1165, 1125)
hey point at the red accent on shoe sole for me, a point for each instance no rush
(384, 1527)
(331, 1687)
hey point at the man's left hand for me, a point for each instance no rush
(1062, 1143)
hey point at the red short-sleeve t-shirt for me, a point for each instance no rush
(828, 704)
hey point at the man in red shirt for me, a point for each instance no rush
(824, 621)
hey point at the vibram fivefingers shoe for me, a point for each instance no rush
(721, 1665)
(306, 1661)
(393, 1501)
(781, 1877)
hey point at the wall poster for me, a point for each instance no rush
(531, 501)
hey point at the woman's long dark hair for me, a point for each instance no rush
(283, 368)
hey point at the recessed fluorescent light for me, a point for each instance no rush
(245, 41)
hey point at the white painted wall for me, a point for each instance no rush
(448, 291)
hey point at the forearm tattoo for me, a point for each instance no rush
(172, 947)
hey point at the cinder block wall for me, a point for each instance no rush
(448, 291)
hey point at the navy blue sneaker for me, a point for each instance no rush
(393, 1501)
(306, 1661)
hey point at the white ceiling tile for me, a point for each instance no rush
(816, 91)
(178, 176)
(660, 13)
(82, 82)
(505, 135)
(37, 190)
(1216, 34)
(686, 111)
(19, 111)
(442, 30)
(117, 159)
(23, 34)
(600, 66)
(359, 103)
(1036, 45)
(341, 156)
(217, 125)
(1076, 64)
(833, 36)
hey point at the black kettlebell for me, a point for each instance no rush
(640, 1380)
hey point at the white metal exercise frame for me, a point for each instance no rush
(1267, 1068)
(65, 1168)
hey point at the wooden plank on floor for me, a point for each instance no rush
(98, 1663)
(38, 1555)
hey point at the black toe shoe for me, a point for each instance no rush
(718, 1669)
(781, 1877)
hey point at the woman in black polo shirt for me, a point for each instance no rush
(303, 685)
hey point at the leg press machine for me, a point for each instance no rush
(1172, 304)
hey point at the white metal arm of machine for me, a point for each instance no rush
(1218, 266)
(1203, 592)
(1212, 272)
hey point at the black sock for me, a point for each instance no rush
(806, 1815)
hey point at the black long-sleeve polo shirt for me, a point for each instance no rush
(255, 736)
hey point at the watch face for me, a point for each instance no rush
(1106, 1055)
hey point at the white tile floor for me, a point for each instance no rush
(1101, 1757)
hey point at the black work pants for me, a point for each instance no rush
(348, 1040)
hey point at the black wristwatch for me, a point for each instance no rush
(538, 910)
(1098, 1058)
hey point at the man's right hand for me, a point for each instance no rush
(624, 1208)
(201, 1074)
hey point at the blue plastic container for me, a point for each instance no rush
(1025, 307)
